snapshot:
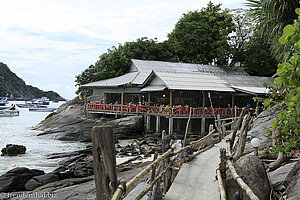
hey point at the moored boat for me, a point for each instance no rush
(25, 105)
(42, 109)
(41, 101)
(3, 101)
(9, 112)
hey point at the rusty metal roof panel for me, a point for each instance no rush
(193, 81)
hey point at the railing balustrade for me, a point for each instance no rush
(175, 111)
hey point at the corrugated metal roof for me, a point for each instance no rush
(153, 88)
(113, 82)
(252, 90)
(247, 81)
(193, 81)
(146, 66)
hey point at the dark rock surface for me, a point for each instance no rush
(69, 123)
(38, 181)
(254, 173)
(13, 150)
(15, 179)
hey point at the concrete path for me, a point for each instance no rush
(196, 179)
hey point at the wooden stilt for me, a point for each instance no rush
(122, 103)
(104, 161)
(203, 103)
(171, 98)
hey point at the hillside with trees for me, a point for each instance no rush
(14, 87)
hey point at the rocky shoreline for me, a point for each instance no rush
(74, 179)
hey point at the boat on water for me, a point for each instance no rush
(4, 107)
(42, 109)
(9, 112)
(3, 101)
(41, 101)
(25, 105)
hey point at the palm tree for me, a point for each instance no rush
(273, 16)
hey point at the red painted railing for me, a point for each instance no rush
(175, 111)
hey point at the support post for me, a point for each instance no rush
(85, 102)
(104, 161)
(171, 98)
(167, 177)
(122, 103)
(222, 165)
(202, 126)
(104, 98)
(157, 124)
(148, 121)
(149, 98)
(170, 126)
(232, 104)
(203, 103)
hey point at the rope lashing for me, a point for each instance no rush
(226, 158)
(117, 185)
(238, 194)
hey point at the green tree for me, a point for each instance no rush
(202, 36)
(258, 59)
(117, 60)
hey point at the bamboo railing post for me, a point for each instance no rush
(154, 168)
(221, 185)
(223, 127)
(104, 161)
(222, 165)
(237, 126)
(168, 174)
(242, 138)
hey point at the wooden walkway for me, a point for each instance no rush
(196, 179)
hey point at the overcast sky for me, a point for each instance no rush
(48, 42)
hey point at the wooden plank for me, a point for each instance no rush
(104, 161)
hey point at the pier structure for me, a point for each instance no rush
(167, 94)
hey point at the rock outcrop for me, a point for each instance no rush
(38, 181)
(13, 150)
(15, 179)
(252, 170)
(69, 123)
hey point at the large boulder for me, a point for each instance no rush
(15, 179)
(40, 180)
(292, 183)
(278, 176)
(13, 150)
(252, 170)
(69, 123)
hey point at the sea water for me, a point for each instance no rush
(18, 130)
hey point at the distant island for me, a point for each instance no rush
(15, 88)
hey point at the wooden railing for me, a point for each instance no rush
(175, 111)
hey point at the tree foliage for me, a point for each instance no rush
(116, 61)
(202, 36)
(13, 86)
(273, 16)
(287, 94)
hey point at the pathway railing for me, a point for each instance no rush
(175, 111)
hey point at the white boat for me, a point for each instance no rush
(3, 101)
(42, 109)
(25, 105)
(9, 113)
(41, 101)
